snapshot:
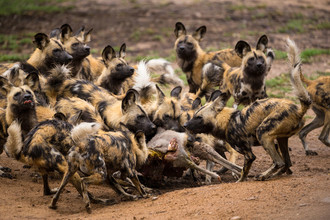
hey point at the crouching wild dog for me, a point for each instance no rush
(247, 83)
(102, 154)
(259, 123)
(319, 91)
(191, 58)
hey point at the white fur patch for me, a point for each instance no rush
(142, 77)
(14, 143)
(83, 130)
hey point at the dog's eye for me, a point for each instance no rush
(166, 117)
(57, 50)
(16, 96)
(189, 44)
(119, 65)
(140, 117)
(250, 60)
(198, 117)
(75, 45)
(27, 91)
(180, 42)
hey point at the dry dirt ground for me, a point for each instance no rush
(147, 28)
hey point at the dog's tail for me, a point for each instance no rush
(55, 80)
(14, 143)
(168, 75)
(80, 132)
(143, 83)
(295, 76)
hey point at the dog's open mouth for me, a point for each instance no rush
(27, 102)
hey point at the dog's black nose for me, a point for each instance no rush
(69, 58)
(181, 48)
(131, 69)
(185, 125)
(87, 49)
(27, 96)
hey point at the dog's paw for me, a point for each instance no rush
(260, 177)
(311, 153)
(5, 169)
(5, 175)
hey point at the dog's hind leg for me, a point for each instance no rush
(324, 136)
(317, 122)
(278, 163)
(249, 157)
(284, 149)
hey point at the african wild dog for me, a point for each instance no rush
(48, 53)
(247, 83)
(191, 58)
(102, 154)
(45, 148)
(112, 111)
(165, 112)
(259, 123)
(21, 103)
(319, 91)
(77, 111)
(20, 73)
(116, 70)
(76, 46)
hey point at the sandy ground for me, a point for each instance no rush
(147, 28)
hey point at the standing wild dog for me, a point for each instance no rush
(76, 46)
(45, 148)
(319, 91)
(262, 122)
(116, 70)
(247, 83)
(104, 153)
(191, 58)
(48, 53)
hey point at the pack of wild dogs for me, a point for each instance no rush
(101, 120)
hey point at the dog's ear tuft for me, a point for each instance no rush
(55, 33)
(60, 116)
(122, 51)
(129, 99)
(88, 36)
(262, 43)
(5, 86)
(66, 32)
(161, 95)
(214, 95)
(176, 92)
(199, 33)
(196, 103)
(242, 48)
(179, 29)
(41, 40)
(140, 138)
(108, 54)
(32, 80)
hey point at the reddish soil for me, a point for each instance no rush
(147, 27)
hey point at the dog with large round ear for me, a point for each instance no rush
(116, 70)
(192, 58)
(5, 86)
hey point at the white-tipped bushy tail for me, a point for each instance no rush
(295, 74)
(83, 130)
(143, 83)
(14, 143)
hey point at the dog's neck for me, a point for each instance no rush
(27, 117)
